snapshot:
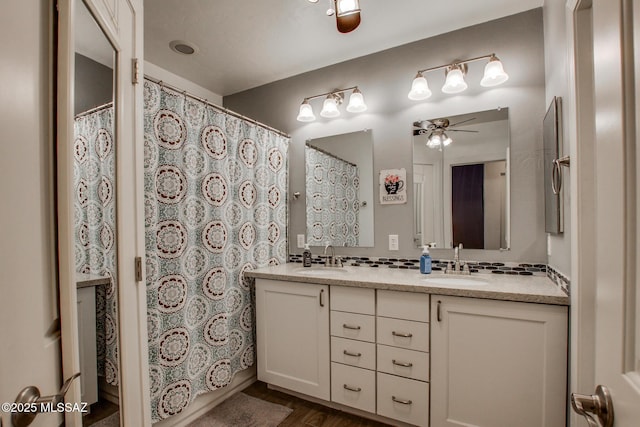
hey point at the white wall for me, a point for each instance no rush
(168, 77)
(385, 79)
(557, 84)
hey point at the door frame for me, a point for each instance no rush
(121, 21)
(579, 113)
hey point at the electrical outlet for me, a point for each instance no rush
(393, 242)
(300, 240)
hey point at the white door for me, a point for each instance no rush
(121, 22)
(30, 350)
(292, 337)
(617, 331)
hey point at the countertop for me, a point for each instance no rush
(86, 280)
(533, 289)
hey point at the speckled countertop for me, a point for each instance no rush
(85, 280)
(535, 289)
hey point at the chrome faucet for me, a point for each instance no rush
(331, 260)
(458, 266)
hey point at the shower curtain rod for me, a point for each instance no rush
(217, 107)
(330, 154)
(94, 110)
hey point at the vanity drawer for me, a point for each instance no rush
(403, 333)
(403, 399)
(353, 326)
(405, 363)
(353, 300)
(355, 353)
(403, 305)
(354, 387)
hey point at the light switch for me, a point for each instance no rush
(393, 242)
(300, 240)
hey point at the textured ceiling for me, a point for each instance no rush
(247, 43)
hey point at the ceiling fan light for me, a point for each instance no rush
(330, 108)
(434, 141)
(347, 7)
(494, 74)
(454, 82)
(446, 140)
(306, 112)
(419, 89)
(356, 102)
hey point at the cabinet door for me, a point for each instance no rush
(497, 363)
(292, 321)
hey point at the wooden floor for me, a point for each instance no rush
(307, 413)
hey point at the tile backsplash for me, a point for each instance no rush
(480, 267)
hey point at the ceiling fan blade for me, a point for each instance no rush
(462, 130)
(464, 121)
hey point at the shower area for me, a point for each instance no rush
(215, 206)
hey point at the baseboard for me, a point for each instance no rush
(207, 402)
(343, 408)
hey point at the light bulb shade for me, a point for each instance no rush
(446, 140)
(330, 108)
(356, 102)
(419, 89)
(347, 7)
(306, 112)
(434, 141)
(494, 74)
(455, 81)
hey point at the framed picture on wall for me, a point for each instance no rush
(393, 189)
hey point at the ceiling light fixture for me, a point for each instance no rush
(183, 47)
(330, 106)
(494, 75)
(347, 13)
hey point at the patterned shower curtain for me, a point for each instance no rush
(215, 206)
(95, 225)
(333, 202)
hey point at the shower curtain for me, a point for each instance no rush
(215, 206)
(333, 203)
(95, 225)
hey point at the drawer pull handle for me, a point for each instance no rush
(403, 364)
(401, 334)
(356, 389)
(348, 353)
(321, 298)
(355, 328)
(401, 401)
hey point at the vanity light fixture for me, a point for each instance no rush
(347, 13)
(494, 75)
(330, 106)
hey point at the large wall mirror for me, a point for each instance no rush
(461, 180)
(94, 172)
(339, 189)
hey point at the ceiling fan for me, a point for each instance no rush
(436, 130)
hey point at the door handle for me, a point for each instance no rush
(30, 399)
(599, 405)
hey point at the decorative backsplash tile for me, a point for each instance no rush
(559, 279)
(480, 267)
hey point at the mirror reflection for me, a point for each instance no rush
(339, 190)
(461, 180)
(95, 216)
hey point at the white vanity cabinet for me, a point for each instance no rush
(497, 363)
(353, 352)
(293, 336)
(87, 338)
(402, 320)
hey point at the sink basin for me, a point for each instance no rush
(454, 281)
(320, 271)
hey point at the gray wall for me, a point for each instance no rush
(557, 84)
(93, 84)
(385, 79)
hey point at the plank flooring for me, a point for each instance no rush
(308, 414)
